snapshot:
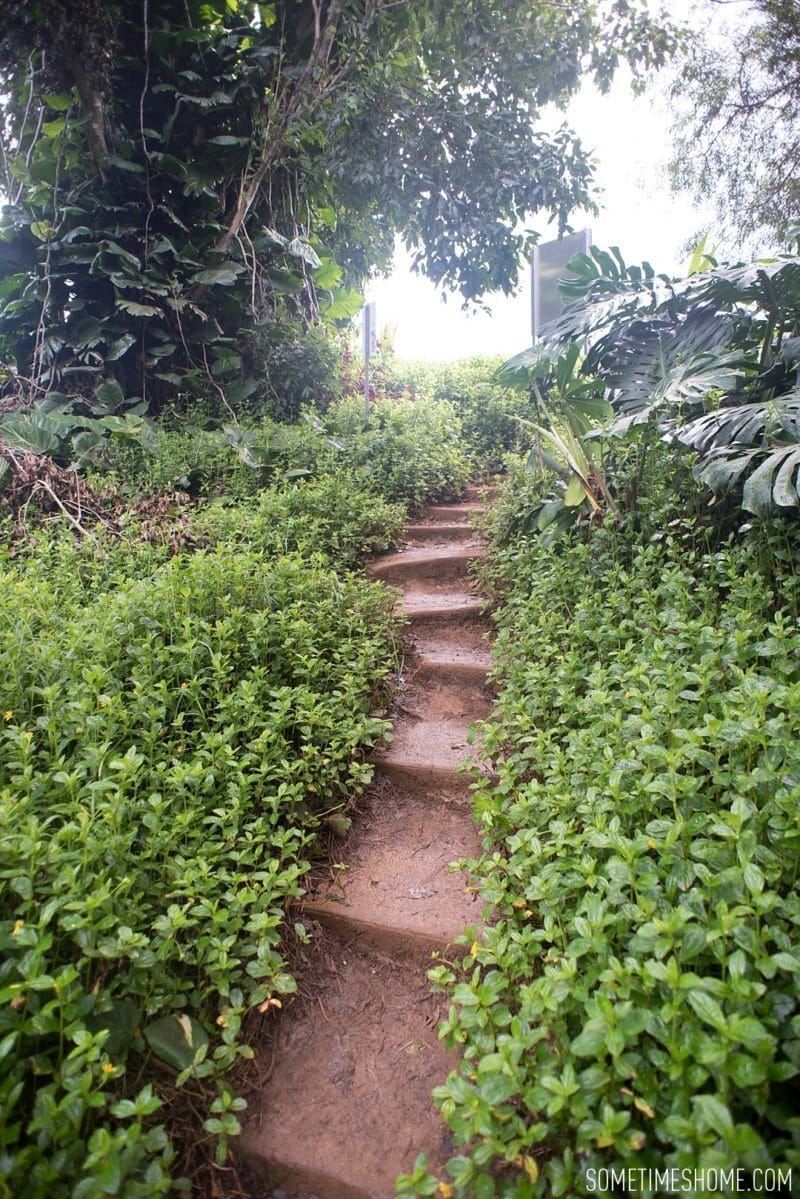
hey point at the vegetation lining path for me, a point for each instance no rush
(347, 1105)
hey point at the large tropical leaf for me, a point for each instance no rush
(653, 366)
(725, 469)
(769, 284)
(37, 432)
(774, 482)
(769, 481)
(744, 424)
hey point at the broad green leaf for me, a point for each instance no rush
(41, 229)
(575, 493)
(226, 362)
(707, 1009)
(774, 482)
(496, 1088)
(120, 347)
(59, 102)
(590, 1042)
(135, 309)
(299, 248)
(714, 1113)
(224, 276)
(34, 431)
(54, 128)
(109, 395)
(121, 1022)
(176, 1039)
(124, 164)
(328, 275)
(86, 444)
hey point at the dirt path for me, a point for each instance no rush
(347, 1103)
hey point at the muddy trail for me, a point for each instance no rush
(346, 1102)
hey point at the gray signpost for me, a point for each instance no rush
(370, 333)
(549, 265)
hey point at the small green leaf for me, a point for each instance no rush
(714, 1113)
(707, 1009)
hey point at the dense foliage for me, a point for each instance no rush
(709, 361)
(184, 174)
(179, 718)
(488, 411)
(635, 1002)
(736, 102)
(408, 451)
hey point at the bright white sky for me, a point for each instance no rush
(629, 137)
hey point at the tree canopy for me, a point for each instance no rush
(737, 103)
(185, 173)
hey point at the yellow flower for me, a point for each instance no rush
(18, 927)
(107, 1068)
(7, 715)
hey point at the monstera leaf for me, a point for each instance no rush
(769, 478)
(657, 364)
(744, 424)
(774, 482)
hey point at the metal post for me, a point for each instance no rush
(370, 346)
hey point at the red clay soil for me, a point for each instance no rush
(346, 1105)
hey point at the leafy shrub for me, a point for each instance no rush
(637, 1002)
(300, 367)
(332, 516)
(169, 745)
(489, 412)
(184, 458)
(410, 450)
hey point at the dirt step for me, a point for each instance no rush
(451, 642)
(425, 563)
(442, 599)
(347, 1105)
(453, 513)
(428, 754)
(422, 607)
(481, 493)
(446, 686)
(436, 689)
(439, 533)
(397, 892)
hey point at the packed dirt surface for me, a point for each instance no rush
(346, 1102)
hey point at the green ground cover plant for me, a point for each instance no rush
(488, 410)
(179, 717)
(332, 515)
(174, 732)
(410, 450)
(637, 1002)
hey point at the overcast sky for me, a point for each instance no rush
(629, 138)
